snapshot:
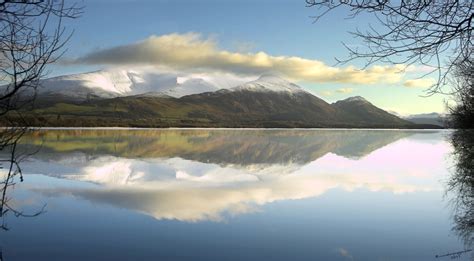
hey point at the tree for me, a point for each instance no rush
(461, 115)
(32, 36)
(461, 183)
(410, 32)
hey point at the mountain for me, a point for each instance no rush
(365, 113)
(224, 108)
(121, 83)
(106, 84)
(263, 105)
(155, 99)
(427, 118)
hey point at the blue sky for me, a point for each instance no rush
(277, 28)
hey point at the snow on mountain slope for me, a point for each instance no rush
(119, 83)
(270, 83)
(107, 84)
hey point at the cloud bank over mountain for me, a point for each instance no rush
(193, 52)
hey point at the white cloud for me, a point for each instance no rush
(419, 83)
(193, 52)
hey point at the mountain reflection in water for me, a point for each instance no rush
(241, 147)
(196, 175)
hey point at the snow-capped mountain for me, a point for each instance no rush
(119, 83)
(200, 100)
(269, 83)
(104, 84)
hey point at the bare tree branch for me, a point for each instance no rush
(410, 32)
(32, 36)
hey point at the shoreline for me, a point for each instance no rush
(224, 128)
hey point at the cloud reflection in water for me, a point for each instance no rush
(206, 183)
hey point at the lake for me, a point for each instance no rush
(215, 194)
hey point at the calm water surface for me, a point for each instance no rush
(233, 195)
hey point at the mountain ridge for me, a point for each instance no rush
(268, 101)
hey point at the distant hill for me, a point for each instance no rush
(130, 101)
(427, 118)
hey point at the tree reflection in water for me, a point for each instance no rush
(461, 184)
(11, 174)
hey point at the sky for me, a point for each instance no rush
(242, 37)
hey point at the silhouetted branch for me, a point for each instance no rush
(32, 36)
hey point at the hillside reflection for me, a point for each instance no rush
(196, 175)
(242, 147)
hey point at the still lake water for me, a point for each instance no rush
(233, 195)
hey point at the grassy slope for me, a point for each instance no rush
(218, 109)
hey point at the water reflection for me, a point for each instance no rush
(461, 184)
(196, 175)
(234, 195)
(241, 147)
